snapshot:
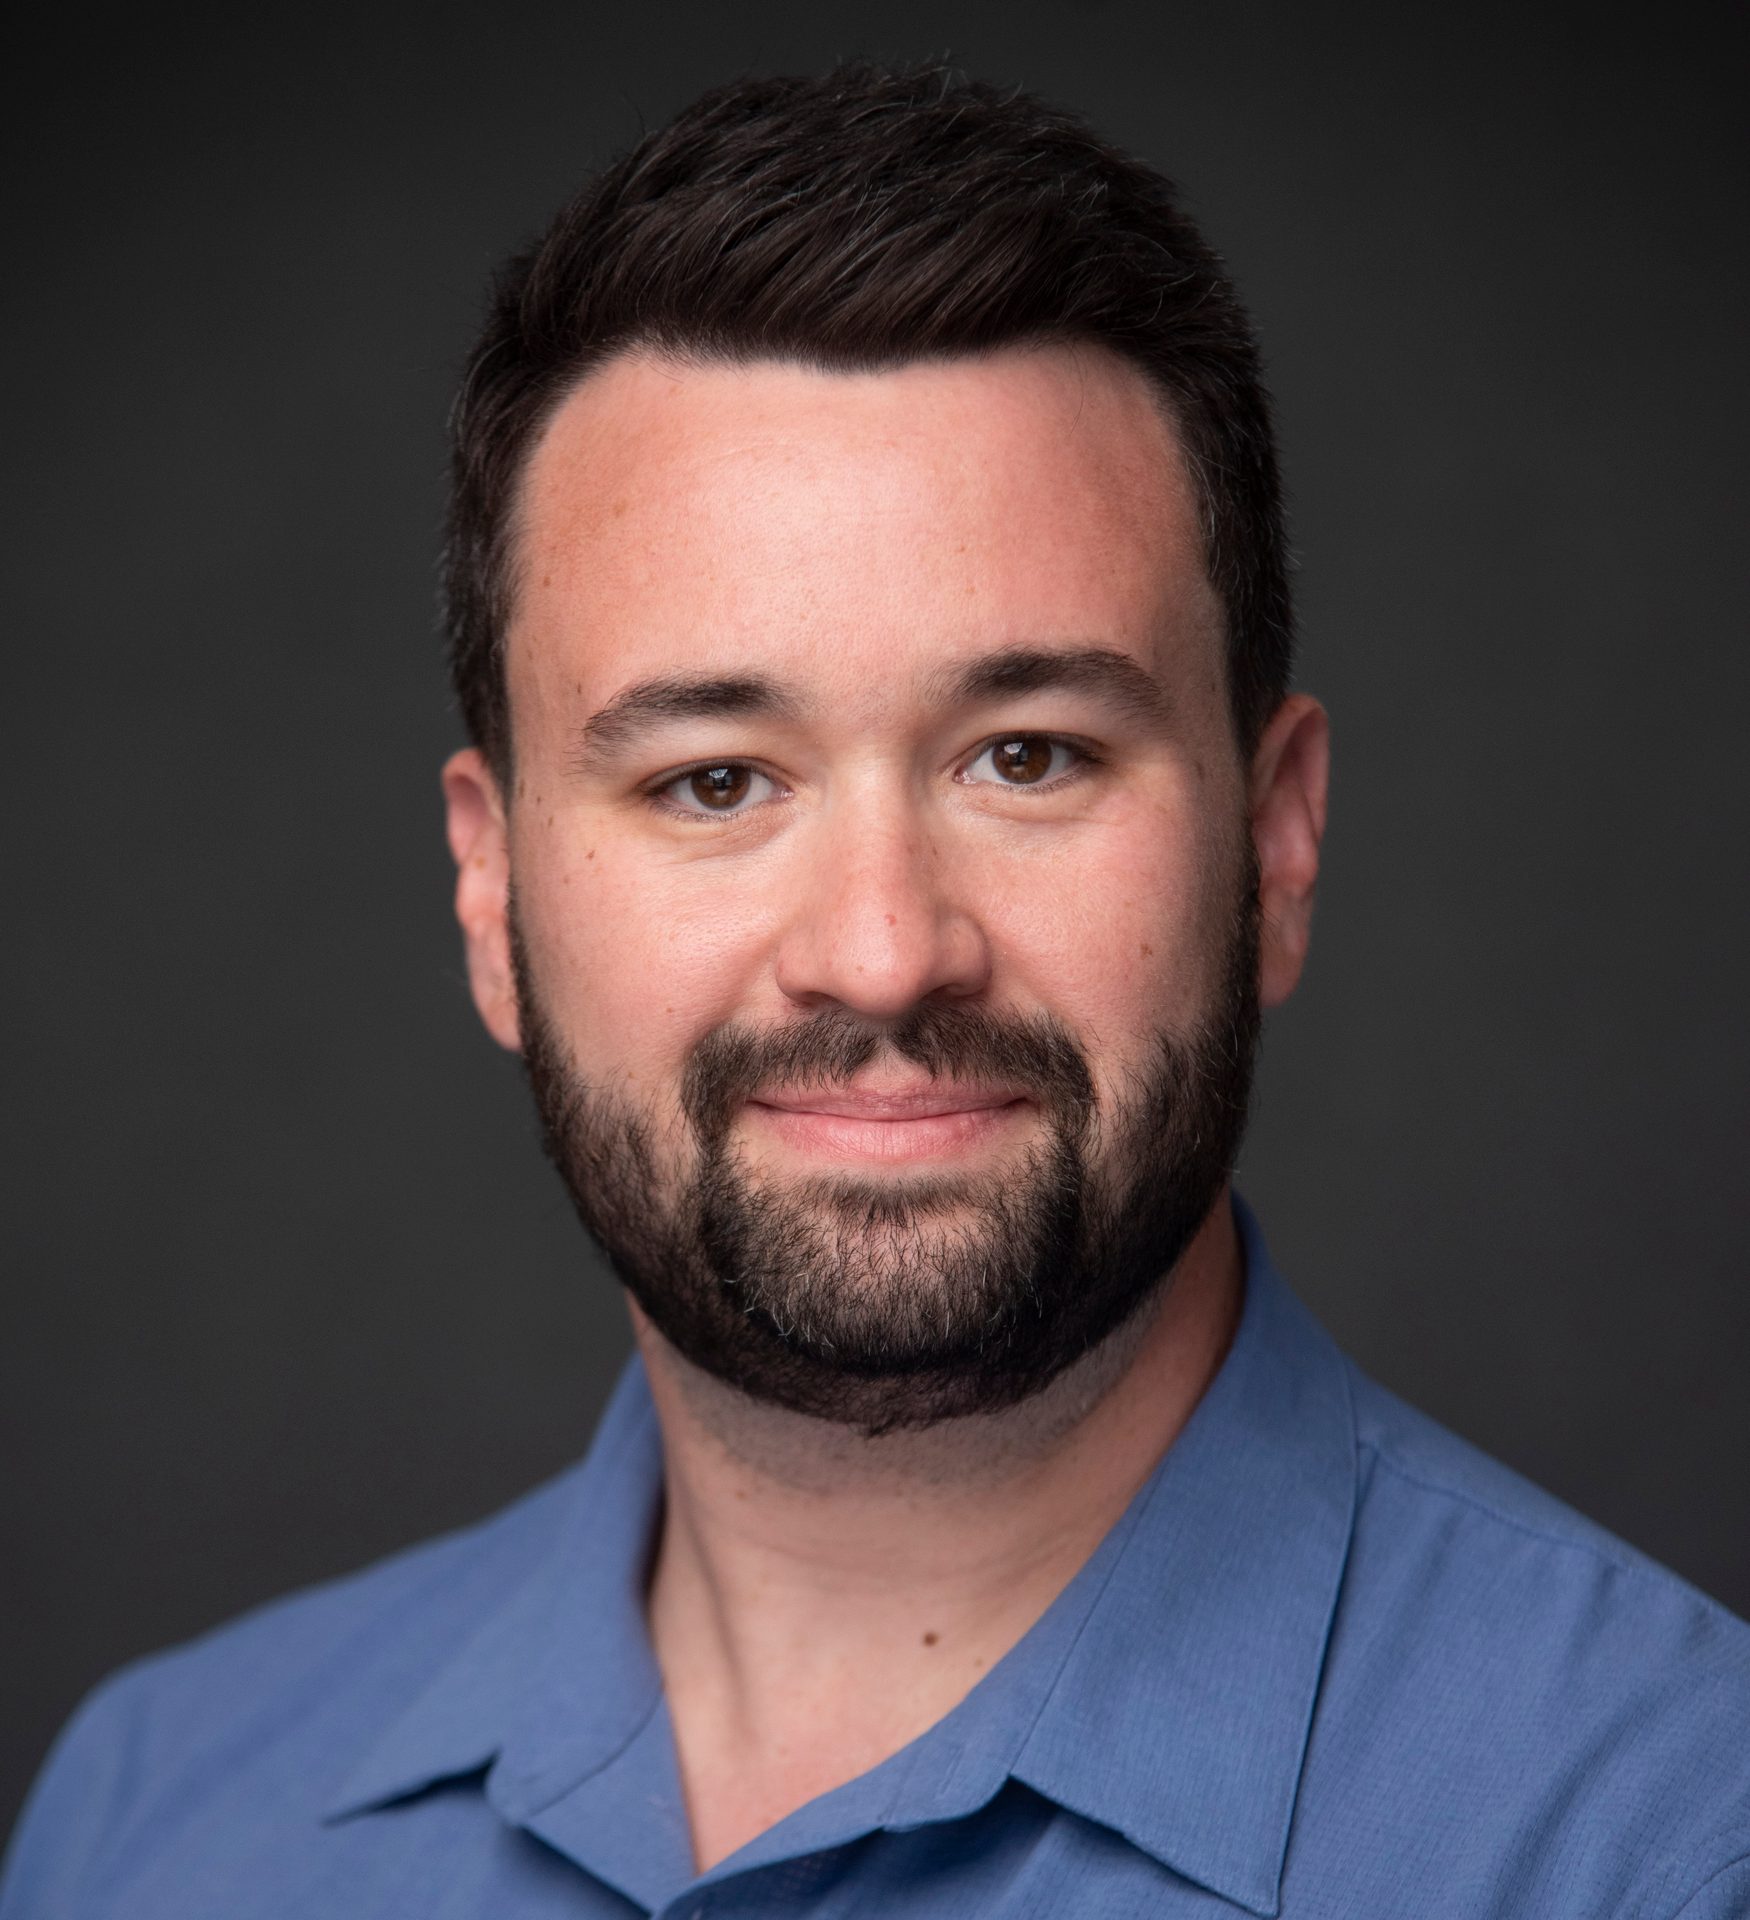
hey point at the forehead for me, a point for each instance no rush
(859, 532)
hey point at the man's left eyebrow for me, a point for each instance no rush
(650, 704)
(1103, 671)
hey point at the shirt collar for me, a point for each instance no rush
(1182, 1712)
(1167, 1694)
(560, 1675)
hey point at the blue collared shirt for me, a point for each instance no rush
(1331, 1661)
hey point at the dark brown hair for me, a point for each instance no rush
(857, 222)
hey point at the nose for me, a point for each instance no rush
(876, 926)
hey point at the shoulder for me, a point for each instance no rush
(1547, 1680)
(368, 1634)
(301, 1676)
(1443, 1509)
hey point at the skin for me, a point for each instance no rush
(859, 540)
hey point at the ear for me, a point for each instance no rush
(480, 842)
(1287, 787)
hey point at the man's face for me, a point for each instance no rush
(877, 891)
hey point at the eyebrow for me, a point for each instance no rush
(650, 704)
(1103, 671)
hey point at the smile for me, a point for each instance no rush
(891, 1125)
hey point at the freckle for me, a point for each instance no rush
(619, 509)
(590, 855)
(546, 579)
(1147, 950)
(930, 1639)
(479, 859)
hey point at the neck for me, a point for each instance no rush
(797, 1557)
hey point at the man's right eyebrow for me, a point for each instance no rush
(642, 708)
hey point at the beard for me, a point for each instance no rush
(901, 1302)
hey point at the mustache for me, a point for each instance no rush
(1035, 1053)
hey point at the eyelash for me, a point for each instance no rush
(655, 794)
(1085, 758)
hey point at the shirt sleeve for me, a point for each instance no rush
(73, 1807)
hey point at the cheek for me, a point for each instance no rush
(1123, 937)
(634, 963)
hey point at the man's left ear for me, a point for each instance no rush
(1289, 777)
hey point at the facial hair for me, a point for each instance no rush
(892, 1302)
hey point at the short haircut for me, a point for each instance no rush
(853, 223)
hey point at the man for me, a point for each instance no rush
(885, 819)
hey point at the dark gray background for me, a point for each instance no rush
(287, 1284)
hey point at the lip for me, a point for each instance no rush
(888, 1103)
(887, 1124)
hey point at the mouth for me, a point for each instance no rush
(894, 1123)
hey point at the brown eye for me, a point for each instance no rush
(1028, 760)
(728, 791)
(1023, 761)
(719, 788)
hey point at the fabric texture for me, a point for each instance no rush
(1330, 1662)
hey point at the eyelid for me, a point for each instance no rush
(656, 791)
(1087, 755)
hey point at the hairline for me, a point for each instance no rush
(683, 355)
